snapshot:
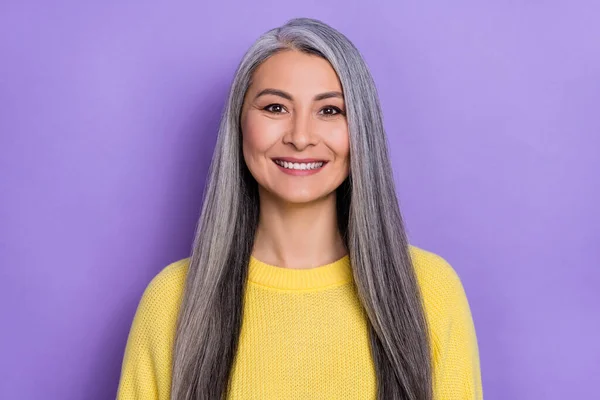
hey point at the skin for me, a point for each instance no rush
(298, 223)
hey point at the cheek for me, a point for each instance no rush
(258, 135)
(253, 141)
(339, 142)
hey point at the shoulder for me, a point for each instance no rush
(145, 372)
(441, 287)
(162, 296)
(170, 277)
(455, 352)
(432, 270)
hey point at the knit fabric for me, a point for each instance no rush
(304, 334)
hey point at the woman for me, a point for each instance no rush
(301, 283)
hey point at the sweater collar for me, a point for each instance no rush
(337, 272)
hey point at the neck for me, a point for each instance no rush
(298, 236)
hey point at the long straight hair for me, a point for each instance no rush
(369, 219)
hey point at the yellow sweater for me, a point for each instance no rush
(304, 335)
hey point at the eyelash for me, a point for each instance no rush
(338, 111)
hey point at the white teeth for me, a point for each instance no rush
(299, 166)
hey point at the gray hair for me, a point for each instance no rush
(369, 219)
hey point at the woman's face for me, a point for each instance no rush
(294, 128)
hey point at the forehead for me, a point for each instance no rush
(295, 71)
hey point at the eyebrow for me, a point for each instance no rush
(287, 96)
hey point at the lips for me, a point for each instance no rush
(299, 160)
(299, 169)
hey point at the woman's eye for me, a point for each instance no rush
(331, 111)
(274, 108)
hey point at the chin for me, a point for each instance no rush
(300, 197)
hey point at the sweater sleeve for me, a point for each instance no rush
(457, 373)
(146, 367)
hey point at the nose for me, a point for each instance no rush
(300, 133)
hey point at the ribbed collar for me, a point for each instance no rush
(337, 272)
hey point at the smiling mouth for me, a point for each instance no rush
(300, 166)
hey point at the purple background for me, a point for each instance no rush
(108, 116)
